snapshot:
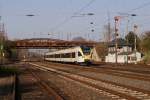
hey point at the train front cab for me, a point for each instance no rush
(86, 54)
(87, 59)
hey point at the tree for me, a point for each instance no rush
(107, 31)
(102, 50)
(145, 43)
(145, 46)
(130, 37)
(7, 49)
(120, 42)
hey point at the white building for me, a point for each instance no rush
(125, 54)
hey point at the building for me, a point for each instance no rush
(125, 53)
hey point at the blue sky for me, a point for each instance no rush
(49, 14)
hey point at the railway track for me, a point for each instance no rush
(126, 74)
(44, 86)
(106, 88)
(145, 71)
(120, 73)
(140, 69)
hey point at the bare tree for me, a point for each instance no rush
(107, 33)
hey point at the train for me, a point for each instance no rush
(77, 55)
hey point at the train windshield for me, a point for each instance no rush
(86, 50)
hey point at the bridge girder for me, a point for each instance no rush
(49, 43)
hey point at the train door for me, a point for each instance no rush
(80, 57)
(76, 57)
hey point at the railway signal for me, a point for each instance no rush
(116, 18)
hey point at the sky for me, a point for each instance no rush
(54, 18)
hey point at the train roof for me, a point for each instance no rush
(65, 50)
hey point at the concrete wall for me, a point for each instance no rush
(95, 56)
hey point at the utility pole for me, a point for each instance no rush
(135, 42)
(109, 28)
(127, 30)
(1, 42)
(3, 38)
(116, 18)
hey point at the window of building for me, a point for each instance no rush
(133, 58)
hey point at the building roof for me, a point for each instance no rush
(121, 42)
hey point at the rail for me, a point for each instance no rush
(112, 90)
(45, 87)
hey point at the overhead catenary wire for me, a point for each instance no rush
(87, 5)
(140, 7)
(70, 17)
(129, 12)
(134, 9)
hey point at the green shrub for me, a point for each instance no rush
(147, 58)
(6, 70)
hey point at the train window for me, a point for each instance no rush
(73, 55)
(79, 54)
(48, 56)
(68, 55)
(65, 55)
(86, 50)
(51, 56)
(57, 55)
(62, 55)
